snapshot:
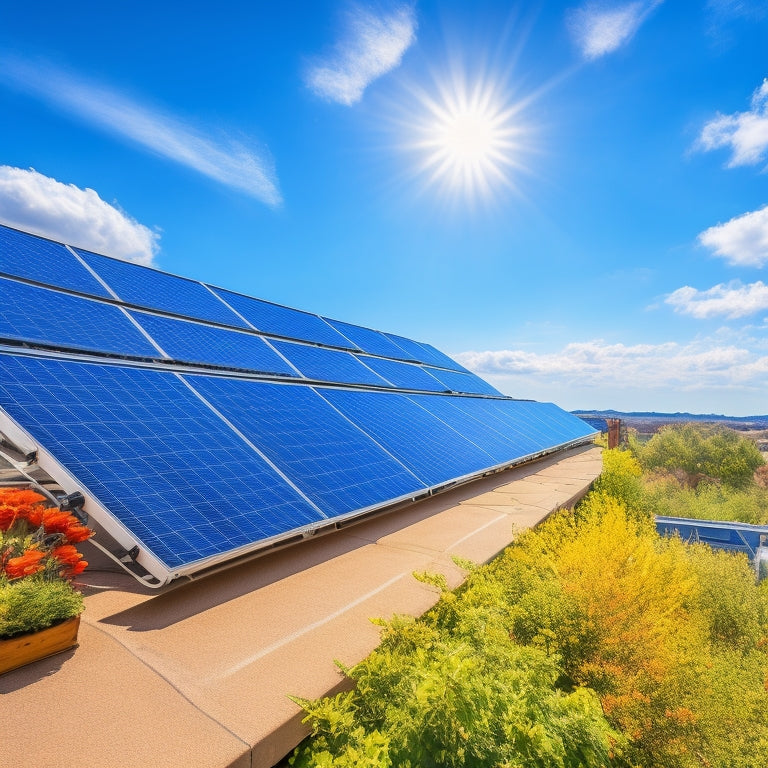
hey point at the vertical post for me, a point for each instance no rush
(614, 432)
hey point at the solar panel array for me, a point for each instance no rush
(202, 424)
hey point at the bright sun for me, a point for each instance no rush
(469, 140)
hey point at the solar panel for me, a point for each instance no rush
(191, 342)
(202, 424)
(41, 260)
(335, 464)
(431, 449)
(329, 364)
(368, 340)
(441, 359)
(422, 352)
(526, 437)
(545, 422)
(468, 416)
(462, 382)
(43, 316)
(150, 288)
(282, 321)
(141, 443)
(404, 375)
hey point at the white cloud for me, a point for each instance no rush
(742, 241)
(64, 212)
(598, 28)
(706, 363)
(732, 300)
(371, 46)
(228, 162)
(744, 133)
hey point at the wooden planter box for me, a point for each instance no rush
(24, 649)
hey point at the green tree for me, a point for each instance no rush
(715, 452)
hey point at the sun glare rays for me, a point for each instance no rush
(468, 141)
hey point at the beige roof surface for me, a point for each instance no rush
(200, 674)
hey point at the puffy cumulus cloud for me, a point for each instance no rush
(706, 363)
(371, 46)
(598, 28)
(744, 133)
(732, 300)
(37, 203)
(226, 161)
(742, 241)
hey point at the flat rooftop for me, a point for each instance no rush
(199, 675)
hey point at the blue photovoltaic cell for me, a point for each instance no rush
(436, 355)
(145, 287)
(404, 375)
(545, 423)
(153, 454)
(190, 342)
(428, 447)
(422, 352)
(463, 382)
(328, 364)
(497, 421)
(44, 316)
(282, 321)
(43, 261)
(335, 464)
(368, 340)
(464, 415)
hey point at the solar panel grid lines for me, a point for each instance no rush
(402, 375)
(91, 272)
(435, 453)
(457, 381)
(44, 261)
(494, 420)
(47, 316)
(447, 362)
(421, 352)
(152, 454)
(198, 343)
(331, 461)
(321, 364)
(254, 447)
(464, 420)
(370, 341)
(149, 288)
(277, 320)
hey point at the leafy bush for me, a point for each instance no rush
(31, 604)
(707, 501)
(701, 450)
(590, 642)
(621, 479)
(431, 698)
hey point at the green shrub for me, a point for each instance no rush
(716, 452)
(31, 604)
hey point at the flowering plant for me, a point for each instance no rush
(38, 560)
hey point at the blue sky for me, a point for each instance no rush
(569, 198)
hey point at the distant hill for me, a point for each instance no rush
(650, 421)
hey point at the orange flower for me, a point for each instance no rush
(17, 504)
(56, 521)
(25, 565)
(70, 560)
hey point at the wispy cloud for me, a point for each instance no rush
(371, 46)
(744, 133)
(732, 300)
(227, 161)
(37, 203)
(601, 28)
(742, 241)
(700, 364)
